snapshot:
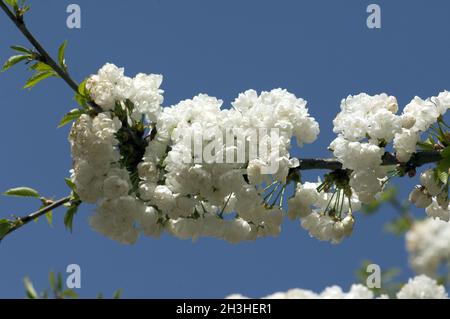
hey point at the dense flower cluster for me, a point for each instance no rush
(188, 194)
(364, 125)
(420, 287)
(428, 246)
(367, 124)
(318, 213)
(197, 169)
(417, 117)
(110, 86)
(431, 195)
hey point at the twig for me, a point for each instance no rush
(44, 56)
(22, 221)
(418, 159)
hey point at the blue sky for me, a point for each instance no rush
(320, 50)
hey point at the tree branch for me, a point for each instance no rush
(22, 221)
(45, 57)
(418, 159)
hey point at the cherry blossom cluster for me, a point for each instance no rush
(428, 246)
(432, 195)
(419, 287)
(198, 168)
(327, 216)
(367, 124)
(167, 189)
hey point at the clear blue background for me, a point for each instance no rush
(319, 50)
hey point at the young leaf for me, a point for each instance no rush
(118, 294)
(22, 49)
(69, 293)
(68, 218)
(30, 291)
(399, 226)
(82, 88)
(22, 192)
(442, 170)
(59, 283)
(70, 184)
(41, 67)
(71, 116)
(13, 3)
(38, 77)
(13, 61)
(81, 100)
(5, 226)
(49, 217)
(446, 152)
(61, 52)
(52, 281)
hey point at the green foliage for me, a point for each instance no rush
(118, 294)
(82, 96)
(57, 290)
(427, 145)
(72, 206)
(19, 7)
(22, 49)
(399, 226)
(13, 60)
(22, 192)
(386, 196)
(442, 169)
(5, 226)
(31, 193)
(38, 77)
(13, 3)
(71, 116)
(29, 289)
(61, 53)
(72, 210)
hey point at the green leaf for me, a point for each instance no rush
(428, 144)
(61, 53)
(82, 88)
(29, 289)
(49, 217)
(70, 183)
(70, 214)
(446, 152)
(117, 294)
(71, 116)
(52, 281)
(38, 77)
(41, 67)
(442, 176)
(399, 226)
(69, 293)
(22, 49)
(22, 192)
(13, 61)
(442, 170)
(386, 196)
(5, 226)
(81, 100)
(59, 283)
(13, 3)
